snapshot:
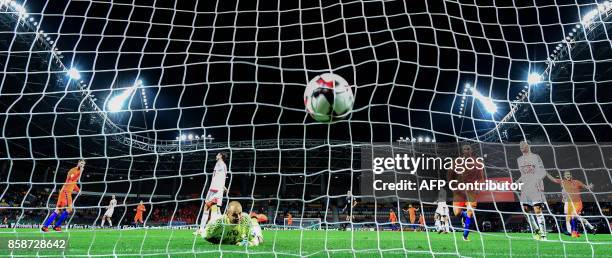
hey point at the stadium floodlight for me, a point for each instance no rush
(534, 78)
(183, 137)
(115, 104)
(190, 136)
(486, 101)
(21, 10)
(420, 139)
(427, 139)
(74, 74)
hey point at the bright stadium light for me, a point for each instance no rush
(115, 104)
(183, 137)
(190, 136)
(534, 78)
(74, 74)
(20, 9)
(486, 101)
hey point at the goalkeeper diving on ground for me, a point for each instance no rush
(234, 227)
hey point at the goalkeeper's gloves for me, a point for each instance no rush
(244, 242)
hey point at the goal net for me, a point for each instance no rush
(149, 92)
(302, 223)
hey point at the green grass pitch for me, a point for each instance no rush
(286, 243)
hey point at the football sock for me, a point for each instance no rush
(541, 224)
(466, 229)
(62, 218)
(50, 219)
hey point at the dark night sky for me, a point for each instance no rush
(210, 64)
(238, 69)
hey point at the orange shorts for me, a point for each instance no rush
(64, 199)
(138, 218)
(412, 219)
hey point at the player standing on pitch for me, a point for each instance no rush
(393, 220)
(411, 211)
(572, 202)
(532, 196)
(139, 210)
(441, 216)
(350, 204)
(465, 199)
(109, 211)
(64, 199)
(214, 197)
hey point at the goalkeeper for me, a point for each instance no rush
(234, 228)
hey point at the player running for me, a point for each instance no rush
(214, 197)
(532, 196)
(234, 228)
(139, 210)
(109, 211)
(64, 199)
(464, 202)
(572, 201)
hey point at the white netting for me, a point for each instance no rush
(148, 92)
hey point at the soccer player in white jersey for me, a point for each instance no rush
(214, 197)
(441, 216)
(532, 196)
(109, 211)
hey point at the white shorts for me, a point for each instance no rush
(109, 213)
(215, 196)
(532, 198)
(442, 212)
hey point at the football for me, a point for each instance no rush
(328, 97)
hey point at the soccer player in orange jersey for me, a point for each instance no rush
(422, 221)
(64, 200)
(465, 199)
(139, 210)
(393, 219)
(573, 201)
(289, 219)
(411, 215)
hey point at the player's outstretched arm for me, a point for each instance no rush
(553, 179)
(583, 186)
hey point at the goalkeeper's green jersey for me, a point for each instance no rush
(221, 231)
